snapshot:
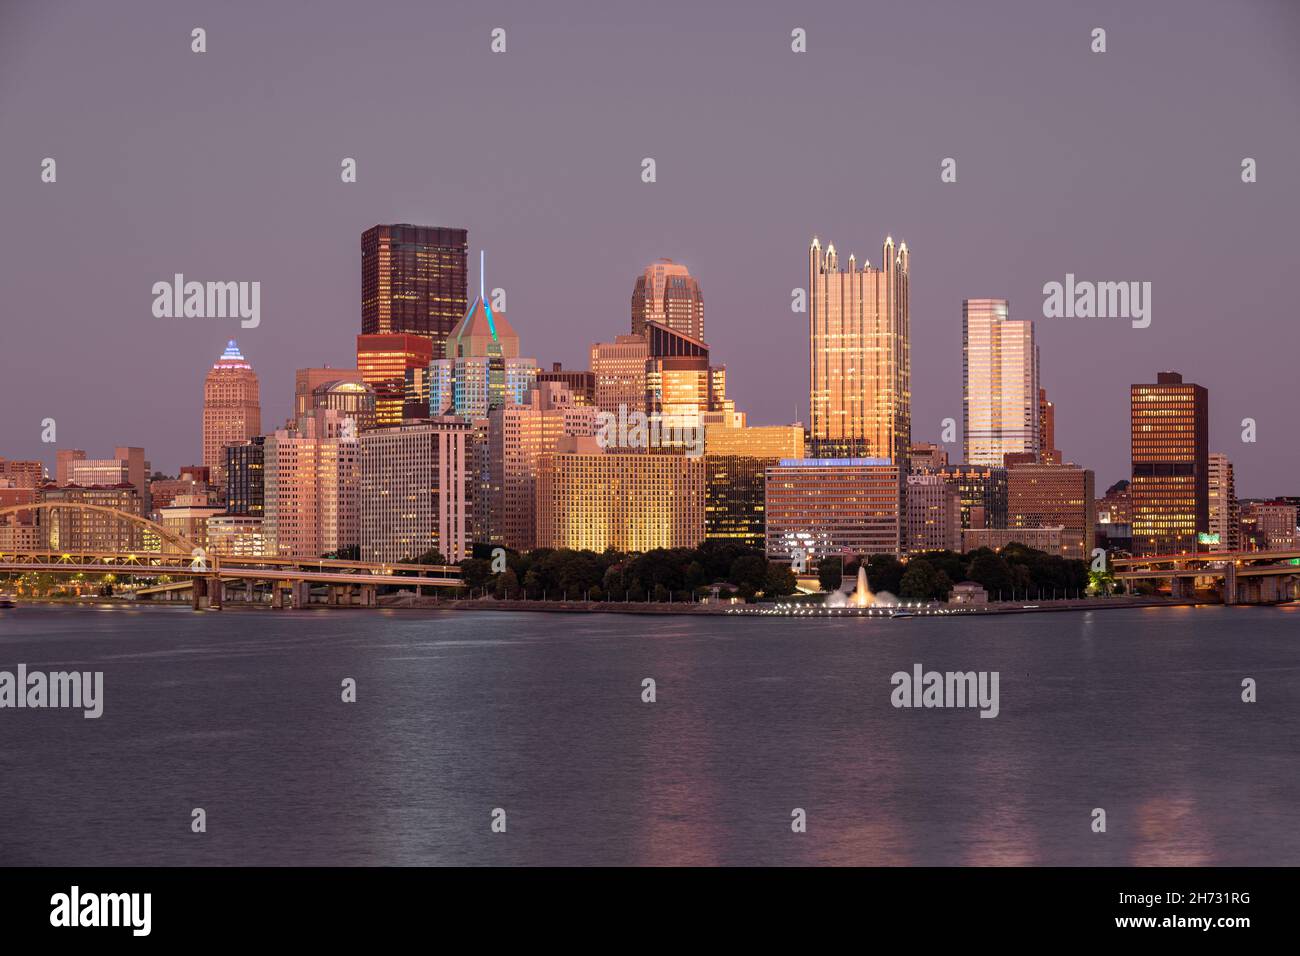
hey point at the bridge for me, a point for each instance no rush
(1242, 577)
(213, 579)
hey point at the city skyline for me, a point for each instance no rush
(1025, 209)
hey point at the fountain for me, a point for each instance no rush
(861, 596)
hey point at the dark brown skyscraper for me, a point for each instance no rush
(414, 280)
(1047, 450)
(1170, 489)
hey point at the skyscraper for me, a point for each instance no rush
(310, 487)
(680, 386)
(307, 380)
(480, 367)
(413, 491)
(519, 435)
(618, 368)
(414, 279)
(983, 493)
(1047, 450)
(127, 466)
(1170, 454)
(1000, 400)
(826, 506)
(1225, 517)
(736, 460)
(667, 293)
(591, 499)
(245, 478)
(64, 458)
(384, 361)
(1049, 496)
(580, 382)
(933, 514)
(860, 362)
(232, 410)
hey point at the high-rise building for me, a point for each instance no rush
(1050, 496)
(414, 280)
(1115, 518)
(591, 499)
(91, 532)
(933, 514)
(680, 385)
(384, 361)
(1170, 455)
(983, 493)
(413, 490)
(351, 399)
(618, 368)
(831, 506)
(1047, 450)
(1274, 525)
(64, 458)
(480, 368)
(860, 359)
(24, 474)
(19, 531)
(1046, 539)
(187, 515)
(194, 480)
(232, 410)
(1225, 519)
(480, 490)
(307, 380)
(927, 456)
(310, 487)
(518, 436)
(736, 460)
(127, 466)
(580, 382)
(1000, 400)
(236, 536)
(245, 478)
(666, 293)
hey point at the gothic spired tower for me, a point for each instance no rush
(860, 398)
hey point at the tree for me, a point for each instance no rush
(780, 580)
(920, 582)
(990, 571)
(507, 585)
(476, 572)
(884, 573)
(432, 556)
(749, 572)
(829, 573)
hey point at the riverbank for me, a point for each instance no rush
(411, 602)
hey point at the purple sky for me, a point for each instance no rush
(225, 166)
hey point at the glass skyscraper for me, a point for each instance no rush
(1000, 399)
(860, 397)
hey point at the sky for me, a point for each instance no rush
(1115, 166)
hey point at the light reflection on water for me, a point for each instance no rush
(1137, 712)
